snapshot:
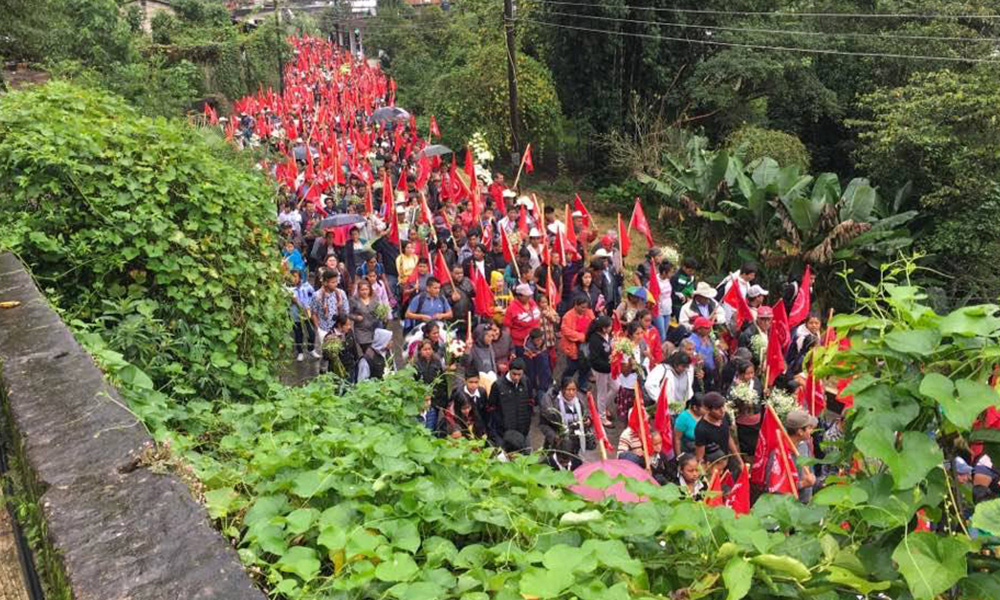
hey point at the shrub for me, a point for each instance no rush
(108, 205)
(751, 142)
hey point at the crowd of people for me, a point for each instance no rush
(525, 319)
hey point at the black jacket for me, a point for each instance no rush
(511, 406)
(387, 253)
(600, 353)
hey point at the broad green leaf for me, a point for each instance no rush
(848, 321)
(980, 586)
(842, 576)
(577, 518)
(883, 407)
(402, 534)
(930, 563)
(920, 342)
(310, 483)
(400, 567)
(738, 575)
(910, 465)
(544, 583)
(220, 502)
(301, 561)
(766, 173)
(569, 558)
(614, 555)
(362, 542)
(300, 520)
(987, 517)
(333, 538)
(438, 550)
(264, 507)
(970, 321)
(962, 410)
(419, 590)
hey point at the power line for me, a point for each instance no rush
(764, 47)
(750, 13)
(781, 31)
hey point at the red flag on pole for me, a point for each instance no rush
(425, 212)
(772, 437)
(812, 396)
(434, 127)
(570, 232)
(780, 325)
(470, 172)
(654, 288)
(597, 424)
(783, 478)
(715, 485)
(638, 422)
(551, 290)
(393, 225)
(483, 300)
(803, 302)
(734, 297)
(529, 165)
(661, 419)
(522, 224)
(639, 222)
(578, 205)
(441, 270)
(401, 184)
(508, 252)
(369, 206)
(738, 497)
(622, 237)
(774, 358)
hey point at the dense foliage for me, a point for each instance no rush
(776, 215)
(148, 227)
(454, 66)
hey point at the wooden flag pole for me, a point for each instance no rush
(524, 155)
(642, 428)
(784, 459)
(600, 443)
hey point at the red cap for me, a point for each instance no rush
(608, 241)
(765, 312)
(702, 322)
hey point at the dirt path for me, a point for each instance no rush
(12, 586)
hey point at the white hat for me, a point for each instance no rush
(576, 214)
(525, 201)
(705, 290)
(509, 194)
(602, 253)
(523, 289)
(756, 290)
(534, 233)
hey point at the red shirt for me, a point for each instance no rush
(521, 319)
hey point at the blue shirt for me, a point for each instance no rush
(705, 351)
(427, 305)
(686, 424)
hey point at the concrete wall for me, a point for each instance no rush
(118, 530)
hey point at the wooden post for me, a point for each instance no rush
(521, 166)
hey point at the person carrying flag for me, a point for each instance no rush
(799, 424)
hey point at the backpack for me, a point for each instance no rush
(409, 324)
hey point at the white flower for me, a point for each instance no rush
(782, 402)
(744, 392)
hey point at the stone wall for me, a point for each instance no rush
(113, 529)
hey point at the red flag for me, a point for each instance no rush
(783, 477)
(393, 220)
(483, 299)
(578, 205)
(772, 437)
(616, 324)
(425, 211)
(457, 190)
(508, 252)
(369, 206)
(570, 232)
(423, 172)
(529, 166)
(597, 424)
(622, 237)
(661, 418)
(639, 222)
(803, 302)
(401, 184)
(738, 497)
(734, 297)
(715, 485)
(616, 363)
(654, 288)
(470, 172)
(441, 266)
(774, 359)
(388, 203)
(779, 324)
(811, 395)
(638, 420)
(435, 132)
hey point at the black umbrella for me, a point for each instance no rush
(299, 152)
(435, 150)
(390, 113)
(341, 220)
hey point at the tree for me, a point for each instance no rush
(940, 133)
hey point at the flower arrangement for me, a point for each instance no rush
(624, 346)
(745, 393)
(381, 312)
(332, 344)
(758, 345)
(671, 254)
(782, 402)
(456, 348)
(514, 239)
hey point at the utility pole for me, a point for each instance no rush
(281, 59)
(515, 117)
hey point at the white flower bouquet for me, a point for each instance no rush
(782, 402)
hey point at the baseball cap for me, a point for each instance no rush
(765, 312)
(797, 419)
(755, 291)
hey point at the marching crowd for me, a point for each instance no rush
(524, 315)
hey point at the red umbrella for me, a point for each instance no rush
(613, 468)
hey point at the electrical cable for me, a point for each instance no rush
(823, 51)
